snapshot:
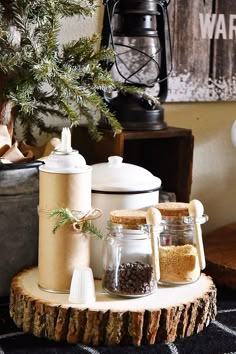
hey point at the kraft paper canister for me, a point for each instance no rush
(65, 190)
(60, 254)
(64, 182)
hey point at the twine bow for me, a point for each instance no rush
(79, 220)
(81, 217)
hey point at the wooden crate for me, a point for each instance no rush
(167, 153)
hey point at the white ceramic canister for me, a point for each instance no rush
(118, 185)
(64, 182)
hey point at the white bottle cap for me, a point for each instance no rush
(82, 289)
(64, 159)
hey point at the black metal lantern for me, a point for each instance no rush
(136, 30)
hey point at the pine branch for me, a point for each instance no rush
(86, 50)
(44, 128)
(27, 129)
(92, 128)
(85, 97)
(73, 72)
(92, 229)
(66, 216)
(83, 7)
(71, 114)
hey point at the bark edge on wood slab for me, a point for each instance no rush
(62, 322)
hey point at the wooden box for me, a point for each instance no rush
(167, 153)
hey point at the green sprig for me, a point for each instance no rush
(32, 59)
(67, 216)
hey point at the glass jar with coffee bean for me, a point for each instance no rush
(128, 269)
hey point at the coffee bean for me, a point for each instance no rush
(134, 279)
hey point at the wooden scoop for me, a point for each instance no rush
(153, 218)
(196, 210)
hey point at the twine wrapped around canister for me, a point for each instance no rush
(64, 182)
(67, 248)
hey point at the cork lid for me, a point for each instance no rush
(175, 209)
(128, 217)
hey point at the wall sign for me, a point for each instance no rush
(203, 35)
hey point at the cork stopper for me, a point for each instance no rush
(173, 209)
(128, 217)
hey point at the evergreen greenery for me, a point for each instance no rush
(66, 216)
(32, 59)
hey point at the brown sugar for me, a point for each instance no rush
(178, 264)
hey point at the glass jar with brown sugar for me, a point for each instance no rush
(128, 269)
(178, 256)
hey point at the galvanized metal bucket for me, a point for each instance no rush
(19, 193)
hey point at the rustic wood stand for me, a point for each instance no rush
(170, 313)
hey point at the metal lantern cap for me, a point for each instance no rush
(136, 18)
(148, 7)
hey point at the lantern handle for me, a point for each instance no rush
(165, 3)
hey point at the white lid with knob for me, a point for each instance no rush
(117, 176)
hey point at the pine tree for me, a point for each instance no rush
(31, 59)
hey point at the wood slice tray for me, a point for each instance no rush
(220, 251)
(169, 313)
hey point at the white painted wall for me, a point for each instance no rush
(214, 162)
(78, 26)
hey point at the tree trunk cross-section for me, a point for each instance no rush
(168, 314)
